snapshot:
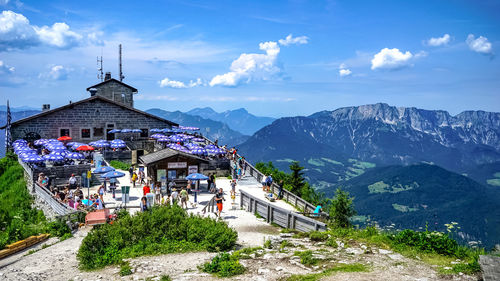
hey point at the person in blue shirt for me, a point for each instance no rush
(317, 211)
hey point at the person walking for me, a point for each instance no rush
(280, 190)
(145, 190)
(101, 192)
(175, 194)
(157, 193)
(72, 181)
(184, 197)
(233, 186)
(213, 187)
(131, 171)
(134, 178)
(144, 204)
(219, 197)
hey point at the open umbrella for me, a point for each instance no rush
(101, 144)
(113, 174)
(74, 156)
(155, 130)
(53, 158)
(103, 169)
(118, 145)
(19, 141)
(40, 142)
(114, 180)
(33, 159)
(64, 138)
(157, 136)
(196, 176)
(117, 141)
(126, 131)
(59, 152)
(114, 131)
(136, 131)
(85, 148)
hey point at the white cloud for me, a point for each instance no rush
(16, 32)
(5, 69)
(250, 67)
(344, 71)
(166, 82)
(291, 40)
(4, 2)
(391, 59)
(439, 41)
(480, 45)
(56, 72)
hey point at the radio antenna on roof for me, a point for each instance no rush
(120, 62)
(100, 74)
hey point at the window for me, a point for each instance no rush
(64, 132)
(98, 132)
(86, 133)
(144, 133)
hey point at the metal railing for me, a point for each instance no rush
(279, 216)
(58, 207)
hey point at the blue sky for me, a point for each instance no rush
(275, 58)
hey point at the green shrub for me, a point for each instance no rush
(341, 209)
(224, 265)
(163, 230)
(18, 220)
(58, 228)
(125, 269)
(318, 236)
(165, 278)
(426, 241)
(306, 257)
(120, 165)
(268, 244)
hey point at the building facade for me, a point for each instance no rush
(87, 120)
(114, 90)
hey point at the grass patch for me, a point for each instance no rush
(403, 208)
(125, 269)
(494, 182)
(162, 230)
(120, 165)
(318, 236)
(306, 257)
(355, 267)
(224, 265)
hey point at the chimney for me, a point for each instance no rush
(45, 107)
(92, 91)
(107, 76)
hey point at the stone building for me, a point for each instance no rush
(87, 120)
(114, 90)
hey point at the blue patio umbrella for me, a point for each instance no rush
(59, 152)
(157, 136)
(114, 131)
(100, 144)
(40, 142)
(197, 139)
(53, 158)
(136, 131)
(33, 159)
(126, 131)
(155, 130)
(118, 145)
(74, 156)
(196, 176)
(113, 180)
(103, 169)
(20, 141)
(164, 139)
(112, 174)
(117, 141)
(166, 131)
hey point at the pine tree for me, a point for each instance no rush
(297, 178)
(341, 209)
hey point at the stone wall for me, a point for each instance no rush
(94, 115)
(115, 91)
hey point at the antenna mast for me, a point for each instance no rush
(100, 75)
(120, 62)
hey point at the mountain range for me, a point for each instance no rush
(239, 119)
(404, 165)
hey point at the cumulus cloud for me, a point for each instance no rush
(293, 40)
(16, 32)
(5, 69)
(439, 41)
(480, 45)
(56, 72)
(344, 71)
(391, 59)
(250, 67)
(166, 82)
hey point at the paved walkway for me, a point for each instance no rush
(252, 231)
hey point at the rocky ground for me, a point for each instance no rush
(277, 262)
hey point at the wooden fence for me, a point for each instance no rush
(279, 216)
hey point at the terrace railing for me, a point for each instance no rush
(279, 216)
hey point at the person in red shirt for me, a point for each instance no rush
(146, 189)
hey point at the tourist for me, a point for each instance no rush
(171, 186)
(157, 193)
(101, 192)
(42, 180)
(184, 197)
(78, 192)
(233, 186)
(213, 187)
(72, 181)
(131, 171)
(264, 183)
(98, 203)
(146, 189)
(175, 194)
(280, 190)
(134, 178)
(144, 204)
(78, 203)
(269, 182)
(142, 176)
(219, 197)
(317, 211)
(112, 187)
(239, 172)
(209, 182)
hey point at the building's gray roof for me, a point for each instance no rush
(112, 80)
(166, 153)
(43, 113)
